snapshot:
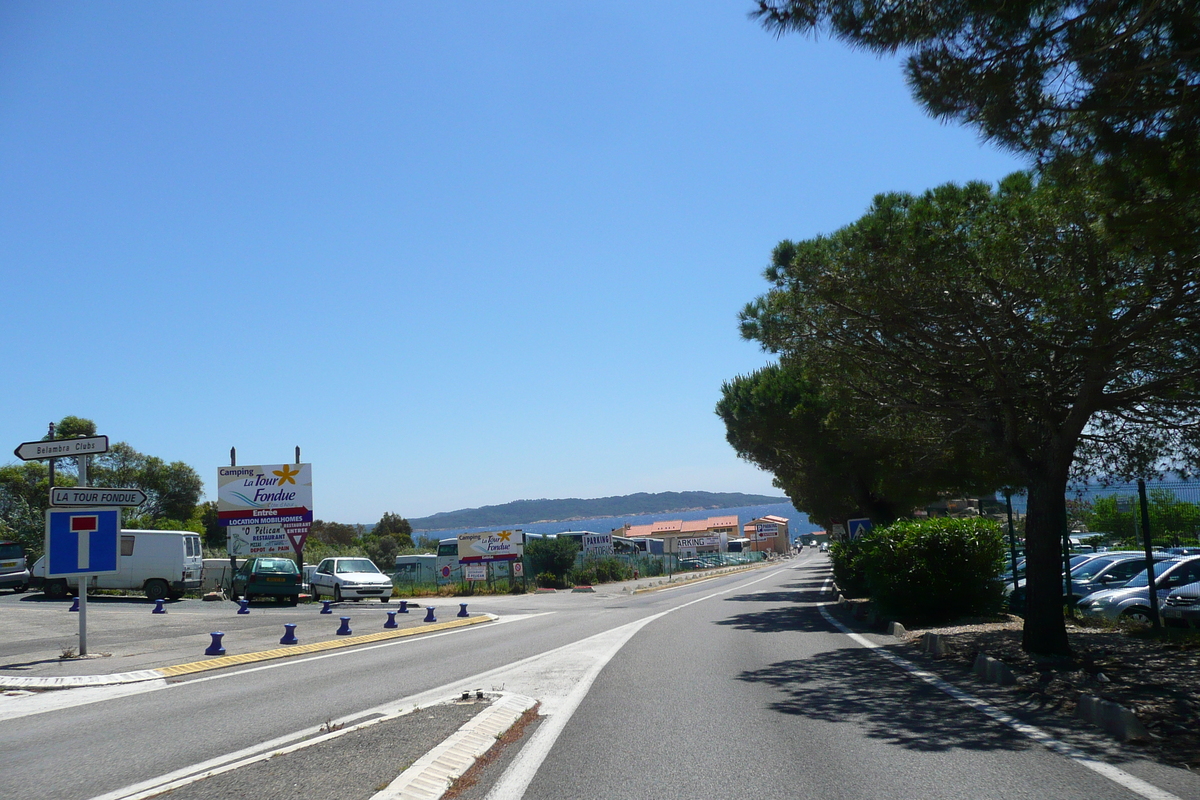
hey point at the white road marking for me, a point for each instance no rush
(553, 677)
(1114, 774)
(29, 705)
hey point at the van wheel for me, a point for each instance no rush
(156, 589)
(55, 590)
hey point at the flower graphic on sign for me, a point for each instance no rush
(286, 475)
(505, 535)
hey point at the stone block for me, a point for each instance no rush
(1114, 719)
(897, 630)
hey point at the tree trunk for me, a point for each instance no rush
(1045, 631)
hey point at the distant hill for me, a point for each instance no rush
(520, 512)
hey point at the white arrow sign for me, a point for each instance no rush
(62, 448)
(95, 496)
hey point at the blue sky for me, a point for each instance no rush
(459, 254)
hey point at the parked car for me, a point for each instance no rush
(350, 579)
(162, 564)
(1109, 571)
(14, 573)
(1183, 551)
(1132, 601)
(267, 577)
(1182, 606)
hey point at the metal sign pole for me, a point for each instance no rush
(81, 590)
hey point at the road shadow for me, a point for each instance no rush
(850, 686)
(791, 616)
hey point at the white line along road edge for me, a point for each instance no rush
(1118, 776)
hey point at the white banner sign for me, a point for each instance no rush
(475, 572)
(266, 495)
(490, 546)
(699, 541)
(598, 544)
(248, 541)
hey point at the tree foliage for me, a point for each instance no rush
(1010, 310)
(1113, 78)
(172, 490)
(836, 458)
(395, 526)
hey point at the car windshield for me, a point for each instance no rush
(1091, 568)
(356, 565)
(1143, 577)
(280, 565)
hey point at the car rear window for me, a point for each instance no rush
(275, 565)
(11, 550)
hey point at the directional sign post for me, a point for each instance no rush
(62, 448)
(95, 496)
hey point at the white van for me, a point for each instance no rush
(158, 563)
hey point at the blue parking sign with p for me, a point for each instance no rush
(82, 541)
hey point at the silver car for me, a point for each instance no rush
(1132, 601)
(1182, 607)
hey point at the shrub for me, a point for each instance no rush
(556, 556)
(849, 567)
(935, 570)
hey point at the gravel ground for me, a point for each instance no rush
(1156, 678)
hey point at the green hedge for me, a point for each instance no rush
(926, 571)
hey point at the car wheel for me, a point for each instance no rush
(156, 589)
(24, 587)
(314, 592)
(249, 597)
(384, 599)
(233, 595)
(293, 600)
(1138, 615)
(55, 590)
(337, 594)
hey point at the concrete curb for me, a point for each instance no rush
(430, 776)
(1115, 720)
(993, 671)
(74, 681)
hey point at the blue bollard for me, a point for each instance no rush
(75, 605)
(215, 649)
(429, 617)
(345, 629)
(158, 606)
(289, 634)
(462, 610)
(403, 606)
(391, 620)
(245, 609)
(326, 608)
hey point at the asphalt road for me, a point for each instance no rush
(735, 687)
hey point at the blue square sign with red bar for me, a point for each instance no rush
(82, 541)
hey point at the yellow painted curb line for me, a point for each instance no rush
(317, 647)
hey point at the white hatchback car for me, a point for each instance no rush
(350, 579)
